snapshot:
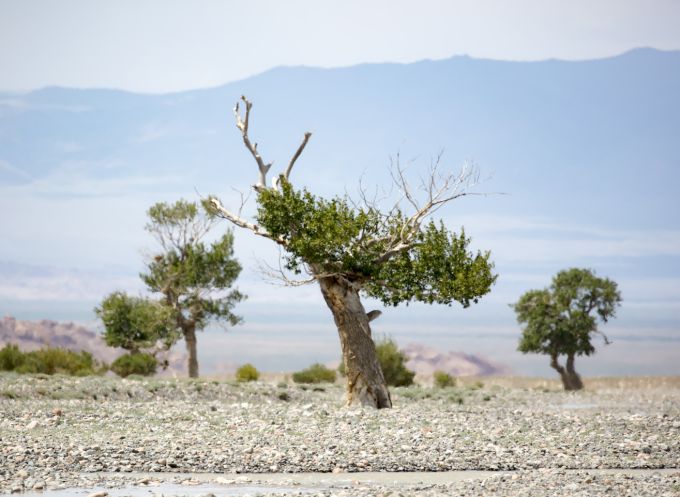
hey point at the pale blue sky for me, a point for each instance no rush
(167, 45)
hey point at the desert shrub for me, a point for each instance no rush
(316, 373)
(443, 379)
(47, 361)
(392, 362)
(247, 372)
(140, 364)
(10, 357)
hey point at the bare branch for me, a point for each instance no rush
(302, 146)
(242, 125)
(242, 223)
(244, 200)
(278, 275)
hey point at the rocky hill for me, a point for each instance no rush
(425, 361)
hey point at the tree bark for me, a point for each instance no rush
(567, 378)
(190, 339)
(365, 381)
(574, 377)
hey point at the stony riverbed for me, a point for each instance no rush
(62, 432)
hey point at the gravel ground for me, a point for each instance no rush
(61, 432)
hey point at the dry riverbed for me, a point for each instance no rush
(140, 434)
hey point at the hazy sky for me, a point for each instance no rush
(166, 45)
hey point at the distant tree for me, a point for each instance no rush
(358, 249)
(136, 323)
(189, 278)
(192, 277)
(562, 319)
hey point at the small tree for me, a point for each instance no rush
(353, 250)
(135, 323)
(191, 276)
(562, 319)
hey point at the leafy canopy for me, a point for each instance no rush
(335, 237)
(135, 323)
(189, 273)
(563, 318)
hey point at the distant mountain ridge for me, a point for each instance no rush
(603, 129)
(426, 360)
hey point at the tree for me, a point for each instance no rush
(135, 323)
(562, 319)
(358, 249)
(190, 277)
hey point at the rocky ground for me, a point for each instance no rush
(62, 432)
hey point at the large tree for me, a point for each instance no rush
(355, 249)
(190, 281)
(562, 319)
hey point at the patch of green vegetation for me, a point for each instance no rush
(48, 361)
(443, 379)
(316, 373)
(141, 364)
(9, 394)
(247, 373)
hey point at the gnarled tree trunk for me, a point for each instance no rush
(570, 379)
(365, 381)
(575, 378)
(190, 339)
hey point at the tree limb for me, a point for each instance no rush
(242, 125)
(302, 146)
(220, 211)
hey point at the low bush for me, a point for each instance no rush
(443, 379)
(316, 373)
(247, 372)
(393, 363)
(140, 364)
(10, 357)
(47, 361)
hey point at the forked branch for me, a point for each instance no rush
(439, 189)
(242, 125)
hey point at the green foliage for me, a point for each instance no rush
(189, 273)
(563, 318)
(316, 373)
(443, 379)
(47, 361)
(135, 364)
(393, 363)
(340, 238)
(135, 323)
(10, 357)
(189, 276)
(247, 372)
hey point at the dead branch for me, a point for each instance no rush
(297, 154)
(242, 124)
(439, 189)
(277, 275)
(242, 223)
